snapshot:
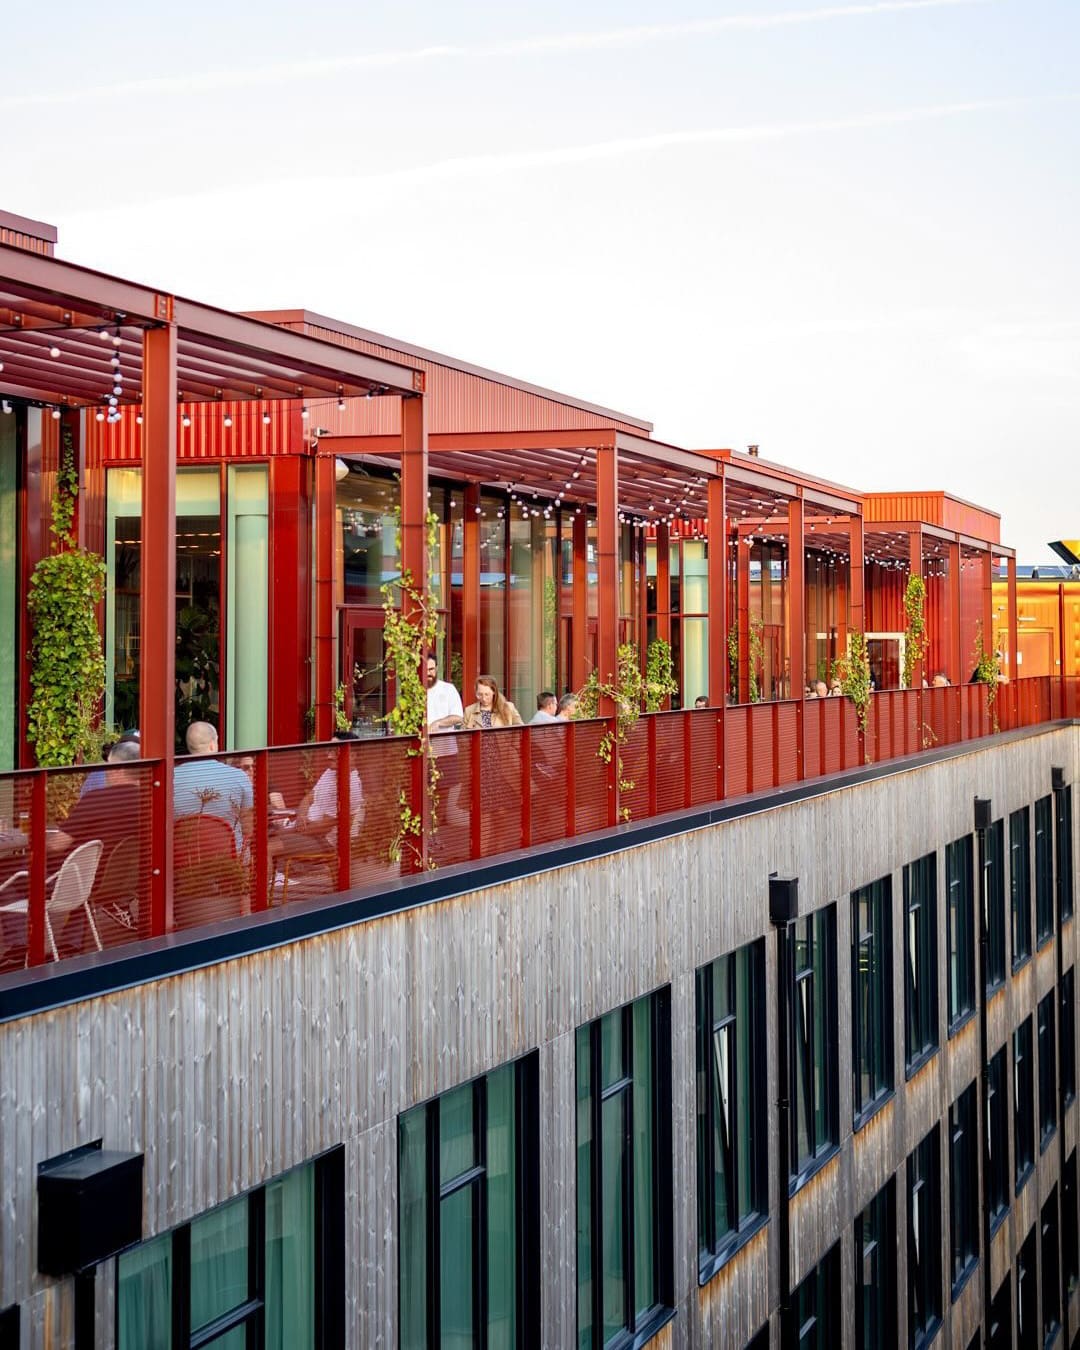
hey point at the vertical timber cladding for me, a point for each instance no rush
(227, 1076)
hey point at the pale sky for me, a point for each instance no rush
(847, 232)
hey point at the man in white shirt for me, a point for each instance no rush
(444, 713)
(547, 705)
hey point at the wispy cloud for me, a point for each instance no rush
(292, 72)
(353, 192)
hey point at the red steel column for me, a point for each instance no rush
(607, 559)
(1014, 625)
(742, 599)
(796, 600)
(325, 530)
(289, 676)
(718, 594)
(663, 581)
(414, 561)
(157, 604)
(470, 594)
(915, 569)
(579, 621)
(953, 656)
(856, 586)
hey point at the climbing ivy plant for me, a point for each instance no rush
(67, 674)
(733, 660)
(410, 629)
(915, 637)
(628, 694)
(986, 672)
(853, 672)
(660, 683)
(756, 655)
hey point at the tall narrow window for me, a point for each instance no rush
(995, 905)
(468, 1244)
(961, 930)
(1044, 869)
(1070, 1252)
(1065, 852)
(920, 966)
(1027, 1296)
(1047, 1071)
(624, 1173)
(1023, 1103)
(963, 1186)
(731, 1103)
(924, 1241)
(875, 1277)
(997, 1139)
(817, 1304)
(1020, 884)
(264, 1271)
(1068, 1035)
(999, 1333)
(871, 995)
(814, 1037)
(1051, 1269)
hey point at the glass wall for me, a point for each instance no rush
(247, 650)
(9, 579)
(198, 600)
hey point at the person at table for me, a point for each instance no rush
(702, 701)
(547, 707)
(315, 829)
(568, 708)
(203, 785)
(109, 813)
(98, 778)
(491, 709)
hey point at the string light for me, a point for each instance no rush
(54, 352)
(226, 421)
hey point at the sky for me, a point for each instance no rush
(846, 232)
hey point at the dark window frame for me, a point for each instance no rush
(1046, 1032)
(1067, 1036)
(924, 1278)
(818, 1328)
(922, 1035)
(526, 1204)
(1027, 1290)
(814, 932)
(1050, 1262)
(1020, 884)
(1044, 871)
(995, 906)
(1023, 1050)
(997, 1187)
(328, 1259)
(963, 1187)
(872, 1018)
(638, 1328)
(1070, 1228)
(744, 1080)
(960, 915)
(876, 1252)
(1064, 853)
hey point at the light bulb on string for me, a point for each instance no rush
(99, 416)
(54, 352)
(56, 414)
(266, 419)
(226, 421)
(185, 420)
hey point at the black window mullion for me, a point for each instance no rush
(628, 1163)
(181, 1287)
(257, 1267)
(597, 1184)
(434, 1205)
(480, 1320)
(706, 1035)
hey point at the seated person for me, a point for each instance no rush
(93, 781)
(203, 785)
(109, 813)
(702, 701)
(315, 830)
(547, 706)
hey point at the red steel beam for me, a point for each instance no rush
(157, 603)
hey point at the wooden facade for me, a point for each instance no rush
(229, 1074)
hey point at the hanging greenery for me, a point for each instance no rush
(853, 672)
(986, 672)
(757, 660)
(916, 641)
(628, 694)
(67, 675)
(733, 660)
(660, 683)
(410, 630)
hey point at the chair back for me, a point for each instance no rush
(202, 838)
(75, 878)
(118, 880)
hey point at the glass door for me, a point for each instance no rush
(369, 690)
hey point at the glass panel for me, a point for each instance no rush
(367, 553)
(612, 1212)
(412, 1240)
(501, 1210)
(236, 1339)
(457, 1143)
(456, 1240)
(219, 1262)
(246, 648)
(9, 564)
(745, 1067)
(695, 660)
(584, 1189)
(492, 592)
(695, 572)
(525, 618)
(612, 1061)
(644, 1154)
(144, 1296)
(725, 1219)
(290, 1261)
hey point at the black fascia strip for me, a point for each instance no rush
(38, 990)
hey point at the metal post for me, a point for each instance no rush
(1014, 634)
(579, 594)
(1057, 781)
(325, 540)
(915, 569)
(856, 575)
(470, 592)
(796, 600)
(414, 565)
(157, 604)
(742, 600)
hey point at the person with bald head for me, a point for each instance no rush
(202, 785)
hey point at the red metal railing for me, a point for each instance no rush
(291, 835)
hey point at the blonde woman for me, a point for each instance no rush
(490, 708)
